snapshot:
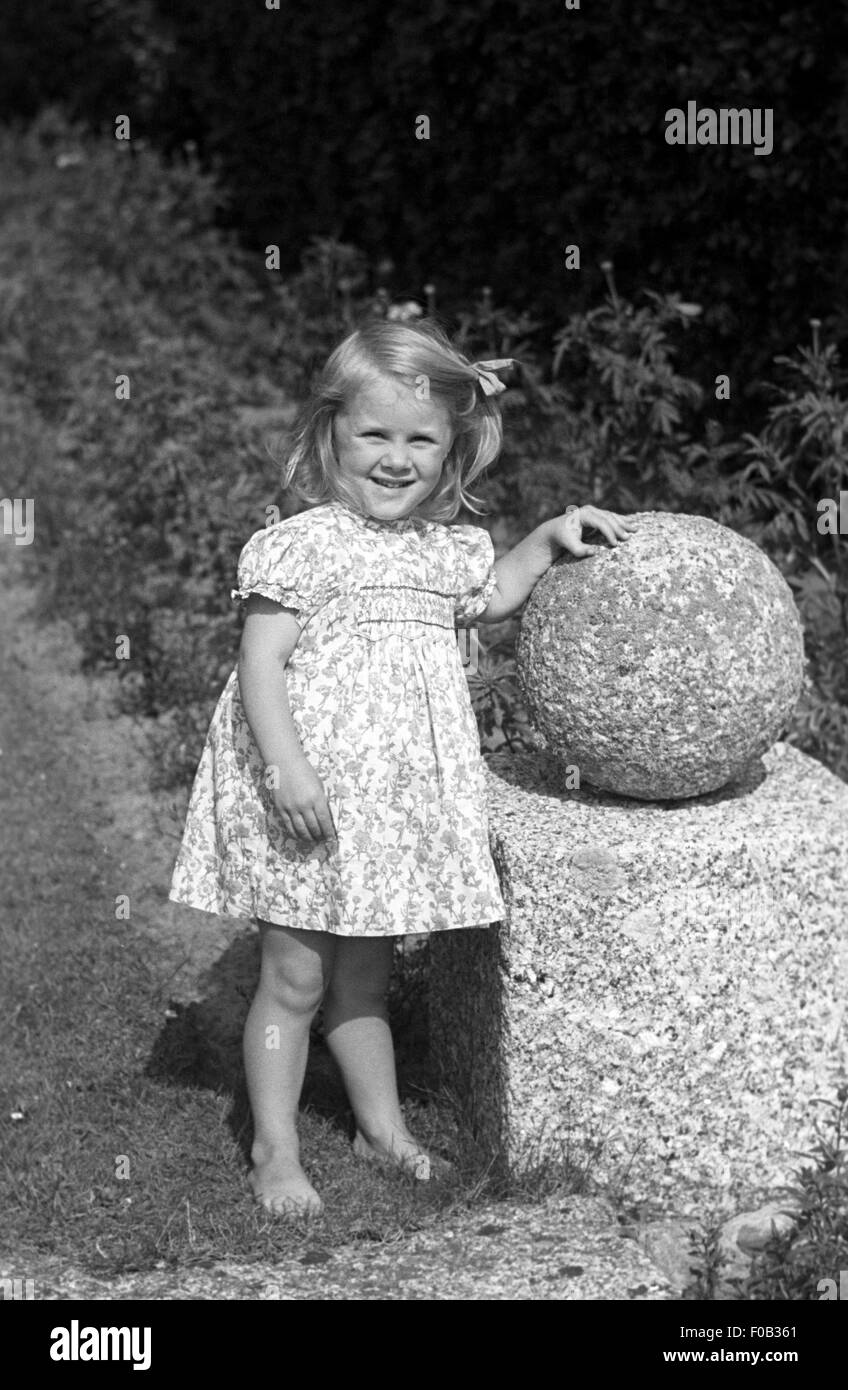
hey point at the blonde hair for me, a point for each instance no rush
(407, 352)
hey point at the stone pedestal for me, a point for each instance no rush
(667, 996)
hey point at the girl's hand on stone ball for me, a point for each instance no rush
(302, 802)
(567, 530)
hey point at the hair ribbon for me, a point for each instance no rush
(491, 384)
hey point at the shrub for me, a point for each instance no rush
(113, 268)
(797, 458)
(815, 1248)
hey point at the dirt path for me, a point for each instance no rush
(75, 807)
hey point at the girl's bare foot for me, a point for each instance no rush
(282, 1188)
(401, 1150)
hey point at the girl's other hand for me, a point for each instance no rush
(567, 530)
(302, 802)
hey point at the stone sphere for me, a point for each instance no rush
(664, 666)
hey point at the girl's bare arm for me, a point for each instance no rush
(520, 570)
(269, 637)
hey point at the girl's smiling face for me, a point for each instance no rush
(390, 447)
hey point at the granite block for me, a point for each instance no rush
(667, 995)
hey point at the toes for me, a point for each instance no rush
(282, 1196)
(290, 1206)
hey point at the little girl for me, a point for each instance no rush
(340, 798)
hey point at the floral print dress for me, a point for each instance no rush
(381, 705)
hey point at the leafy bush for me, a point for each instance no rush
(815, 1248)
(546, 128)
(113, 268)
(102, 57)
(115, 271)
(798, 458)
(616, 425)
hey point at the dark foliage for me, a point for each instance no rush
(546, 129)
(115, 272)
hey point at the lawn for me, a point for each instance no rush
(124, 1119)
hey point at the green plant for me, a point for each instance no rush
(798, 458)
(815, 1247)
(602, 415)
(501, 717)
(520, 81)
(708, 1262)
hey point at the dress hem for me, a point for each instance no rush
(253, 917)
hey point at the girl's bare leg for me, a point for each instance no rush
(356, 1029)
(296, 966)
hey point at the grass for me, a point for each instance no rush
(131, 1152)
(125, 1125)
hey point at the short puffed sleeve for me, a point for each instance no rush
(475, 571)
(284, 564)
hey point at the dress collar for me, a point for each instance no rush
(372, 523)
